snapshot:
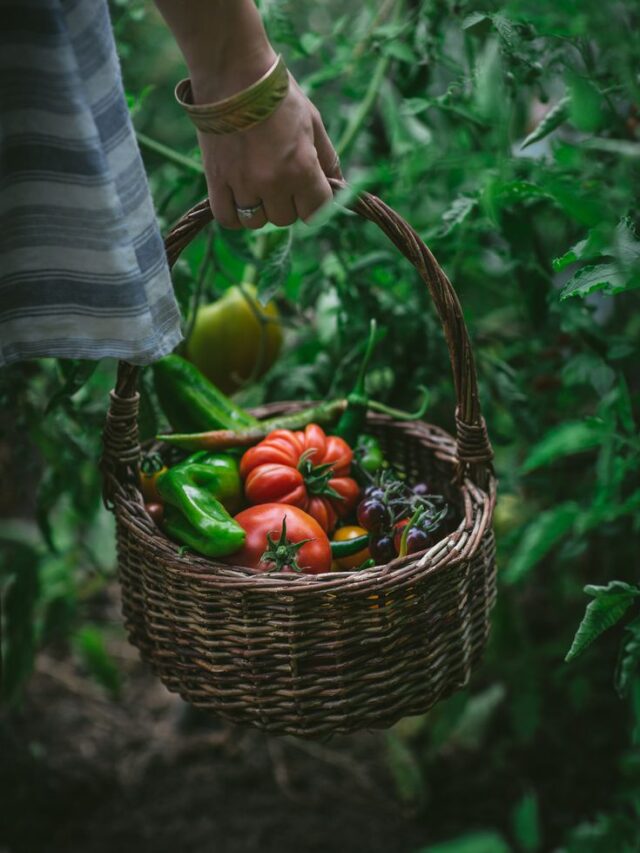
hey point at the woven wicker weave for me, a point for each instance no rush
(314, 655)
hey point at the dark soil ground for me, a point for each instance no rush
(82, 771)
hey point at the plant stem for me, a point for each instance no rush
(353, 128)
(169, 154)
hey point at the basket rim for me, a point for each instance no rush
(452, 549)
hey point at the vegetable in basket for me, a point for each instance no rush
(151, 468)
(195, 493)
(236, 338)
(191, 402)
(368, 454)
(322, 414)
(350, 547)
(306, 469)
(281, 538)
(401, 519)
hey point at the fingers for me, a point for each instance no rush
(314, 193)
(257, 219)
(329, 160)
(280, 209)
(223, 206)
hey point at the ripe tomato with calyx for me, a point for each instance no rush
(235, 339)
(305, 469)
(282, 538)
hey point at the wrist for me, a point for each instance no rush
(232, 69)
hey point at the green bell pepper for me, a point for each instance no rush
(194, 492)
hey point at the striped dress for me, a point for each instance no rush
(82, 267)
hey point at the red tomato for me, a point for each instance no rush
(313, 557)
(305, 469)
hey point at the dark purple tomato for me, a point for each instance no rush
(382, 549)
(417, 540)
(373, 515)
(374, 491)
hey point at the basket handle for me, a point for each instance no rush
(121, 448)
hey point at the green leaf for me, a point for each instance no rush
(590, 248)
(629, 661)
(457, 213)
(76, 374)
(470, 730)
(563, 440)
(552, 119)
(399, 50)
(545, 531)
(585, 104)
(89, 642)
(406, 770)
(275, 268)
(310, 43)
(474, 842)
(606, 277)
(610, 604)
(627, 246)
(474, 19)
(526, 823)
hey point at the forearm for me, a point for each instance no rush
(223, 42)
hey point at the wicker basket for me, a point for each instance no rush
(315, 655)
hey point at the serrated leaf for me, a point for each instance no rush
(474, 19)
(606, 277)
(540, 536)
(563, 440)
(627, 245)
(505, 28)
(474, 842)
(275, 268)
(610, 604)
(575, 253)
(457, 213)
(552, 120)
(629, 662)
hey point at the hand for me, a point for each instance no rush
(282, 163)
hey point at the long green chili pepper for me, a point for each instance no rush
(222, 439)
(354, 417)
(349, 547)
(323, 414)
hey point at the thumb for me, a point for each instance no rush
(329, 160)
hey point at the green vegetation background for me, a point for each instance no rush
(429, 103)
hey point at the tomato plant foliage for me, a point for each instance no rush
(508, 135)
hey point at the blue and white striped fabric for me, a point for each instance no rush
(82, 266)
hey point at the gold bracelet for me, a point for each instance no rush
(241, 111)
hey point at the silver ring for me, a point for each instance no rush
(248, 212)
